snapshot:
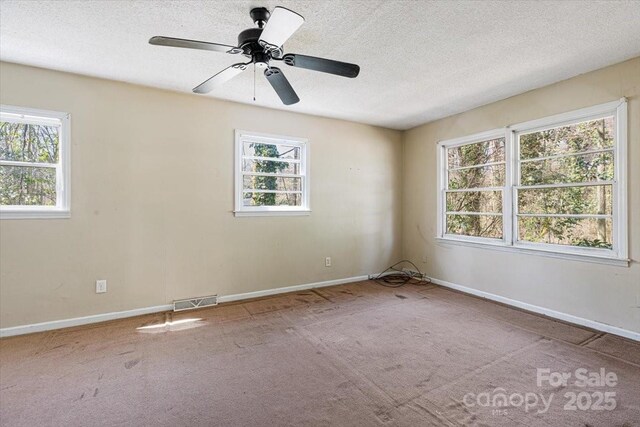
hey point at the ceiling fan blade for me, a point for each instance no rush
(280, 26)
(193, 44)
(281, 85)
(220, 78)
(320, 64)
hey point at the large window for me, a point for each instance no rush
(34, 163)
(555, 185)
(272, 175)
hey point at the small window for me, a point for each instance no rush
(556, 185)
(271, 175)
(34, 163)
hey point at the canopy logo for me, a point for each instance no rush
(498, 399)
(595, 395)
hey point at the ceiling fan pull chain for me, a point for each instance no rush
(254, 82)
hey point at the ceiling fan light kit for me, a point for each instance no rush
(263, 45)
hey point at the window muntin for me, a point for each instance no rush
(271, 174)
(564, 187)
(571, 170)
(475, 180)
(34, 163)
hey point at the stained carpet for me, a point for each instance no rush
(352, 355)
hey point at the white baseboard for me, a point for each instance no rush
(541, 310)
(275, 291)
(78, 321)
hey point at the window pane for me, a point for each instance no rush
(27, 186)
(272, 199)
(272, 183)
(475, 225)
(582, 168)
(587, 232)
(270, 150)
(29, 143)
(566, 200)
(575, 138)
(476, 154)
(484, 176)
(270, 166)
(475, 201)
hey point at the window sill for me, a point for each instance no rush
(598, 259)
(35, 214)
(304, 212)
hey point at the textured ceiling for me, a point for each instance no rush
(419, 60)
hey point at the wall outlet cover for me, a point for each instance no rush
(101, 286)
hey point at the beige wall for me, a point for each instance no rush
(606, 294)
(152, 195)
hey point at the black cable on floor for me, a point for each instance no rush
(393, 277)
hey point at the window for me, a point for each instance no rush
(272, 175)
(475, 187)
(34, 163)
(555, 185)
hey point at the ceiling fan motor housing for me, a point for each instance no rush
(248, 39)
(248, 42)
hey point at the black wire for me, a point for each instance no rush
(400, 277)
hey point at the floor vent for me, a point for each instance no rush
(191, 303)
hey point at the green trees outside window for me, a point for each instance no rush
(563, 185)
(28, 154)
(479, 166)
(271, 174)
(580, 156)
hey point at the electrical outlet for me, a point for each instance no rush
(101, 286)
(327, 261)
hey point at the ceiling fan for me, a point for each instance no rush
(263, 45)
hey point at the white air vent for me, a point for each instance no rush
(191, 303)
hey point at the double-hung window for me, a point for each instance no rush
(475, 177)
(34, 163)
(555, 185)
(272, 175)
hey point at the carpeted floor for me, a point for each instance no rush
(352, 355)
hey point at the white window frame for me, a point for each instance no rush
(303, 144)
(443, 180)
(618, 255)
(62, 209)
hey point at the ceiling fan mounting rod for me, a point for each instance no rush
(260, 16)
